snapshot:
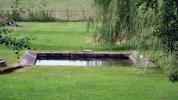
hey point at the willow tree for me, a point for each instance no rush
(152, 24)
(117, 20)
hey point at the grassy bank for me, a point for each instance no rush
(101, 83)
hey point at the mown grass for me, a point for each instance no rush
(86, 83)
(53, 37)
(78, 83)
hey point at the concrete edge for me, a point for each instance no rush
(28, 59)
(139, 60)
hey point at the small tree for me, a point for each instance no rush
(8, 39)
(15, 15)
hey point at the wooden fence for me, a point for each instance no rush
(53, 15)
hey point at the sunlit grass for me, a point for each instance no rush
(55, 37)
(78, 83)
(86, 83)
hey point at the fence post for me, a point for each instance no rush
(47, 15)
(29, 18)
(67, 14)
(84, 17)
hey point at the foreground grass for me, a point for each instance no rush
(86, 83)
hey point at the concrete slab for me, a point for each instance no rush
(28, 59)
(139, 60)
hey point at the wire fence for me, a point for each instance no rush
(53, 15)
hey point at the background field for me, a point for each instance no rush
(51, 10)
(50, 4)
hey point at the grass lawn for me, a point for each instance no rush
(78, 83)
(86, 83)
(55, 37)
(51, 37)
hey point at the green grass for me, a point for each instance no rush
(50, 4)
(55, 37)
(78, 83)
(86, 83)
(50, 37)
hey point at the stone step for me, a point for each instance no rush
(3, 64)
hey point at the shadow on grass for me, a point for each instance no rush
(10, 70)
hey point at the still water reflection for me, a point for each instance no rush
(83, 63)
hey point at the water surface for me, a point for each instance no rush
(83, 63)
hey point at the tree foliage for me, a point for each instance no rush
(8, 38)
(14, 16)
(168, 29)
(12, 42)
(148, 24)
(117, 20)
